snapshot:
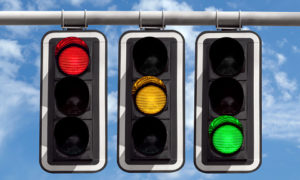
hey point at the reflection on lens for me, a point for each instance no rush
(72, 96)
(227, 57)
(149, 136)
(226, 96)
(71, 136)
(150, 56)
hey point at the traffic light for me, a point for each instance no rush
(228, 101)
(151, 101)
(73, 101)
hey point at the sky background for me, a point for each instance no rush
(20, 89)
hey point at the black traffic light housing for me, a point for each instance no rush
(228, 101)
(151, 101)
(73, 101)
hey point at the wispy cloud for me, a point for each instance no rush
(167, 5)
(280, 99)
(212, 8)
(112, 43)
(112, 102)
(282, 43)
(16, 95)
(78, 3)
(11, 5)
(187, 172)
(295, 49)
(232, 5)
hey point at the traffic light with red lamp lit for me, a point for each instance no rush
(151, 101)
(228, 102)
(73, 102)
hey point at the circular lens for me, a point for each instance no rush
(71, 136)
(150, 56)
(149, 136)
(72, 96)
(73, 60)
(72, 55)
(226, 134)
(226, 96)
(149, 94)
(227, 57)
(151, 99)
(227, 139)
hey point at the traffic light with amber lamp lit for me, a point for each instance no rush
(73, 102)
(151, 101)
(228, 102)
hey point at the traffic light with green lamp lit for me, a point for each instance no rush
(151, 101)
(73, 102)
(228, 102)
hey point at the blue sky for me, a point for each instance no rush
(19, 89)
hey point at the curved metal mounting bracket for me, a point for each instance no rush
(143, 26)
(65, 26)
(229, 27)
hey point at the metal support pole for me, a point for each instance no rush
(151, 18)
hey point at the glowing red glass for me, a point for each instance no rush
(72, 55)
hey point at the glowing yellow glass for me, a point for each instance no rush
(151, 97)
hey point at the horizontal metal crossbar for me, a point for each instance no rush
(150, 18)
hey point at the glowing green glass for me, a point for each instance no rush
(227, 137)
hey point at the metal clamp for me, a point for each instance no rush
(145, 27)
(239, 27)
(66, 27)
(240, 20)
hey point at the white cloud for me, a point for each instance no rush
(260, 28)
(282, 43)
(285, 85)
(187, 172)
(282, 121)
(112, 145)
(45, 5)
(112, 103)
(76, 3)
(267, 92)
(16, 95)
(102, 2)
(264, 155)
(281, 58)
(189, 110)
(245, 28)
(284, 82)
(212, 8)
(19, 31)
(10, 56)
(272, 60)
(280, 99)
(112, 8)
(296, 49)
(9, 5)
(168, 5)
(112, 47)
(232, 5)
(10, 49)
(189, 101)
